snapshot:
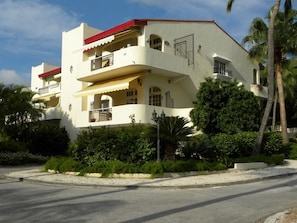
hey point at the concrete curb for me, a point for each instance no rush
(139, 186)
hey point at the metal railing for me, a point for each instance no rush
(101, 62)
(99, 115)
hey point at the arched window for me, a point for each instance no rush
(155, 42)
(155, 96)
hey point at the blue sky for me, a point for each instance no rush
(31, 30)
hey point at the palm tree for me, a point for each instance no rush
(173, 130)
(284, 43)
(270, 65)
(18, 110)
(290, 89)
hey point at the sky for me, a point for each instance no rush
(31, 30)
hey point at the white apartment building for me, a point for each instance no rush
(108, 78)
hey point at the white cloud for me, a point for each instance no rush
(11, 77)
(28, 24)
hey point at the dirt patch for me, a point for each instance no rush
(290, 216)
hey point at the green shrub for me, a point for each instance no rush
(293, 152)
(223, 148)
(154, 168)
(110, 167)
(20, 158)
(276, 159)
(12, 146)
(179, 166)
(203, 166)
(129, 145)
(63, 164)
(70, 165)
(54, 163)
(272, 143)
(48, 139)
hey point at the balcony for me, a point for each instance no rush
(49, 91)
(130, 60)
(52, 113)
(123, 115)
(99, 115)
(259, 90)
(103, 61)
(226, 76)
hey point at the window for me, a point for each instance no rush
(104, 104)
(155, 42)
(255, 76)
(219, 67)
(155, 96)
(131, 96)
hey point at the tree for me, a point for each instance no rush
(290, 90)
(17, 110)
(225, 107)
(173, 129)
(284, 44)
(270, 64)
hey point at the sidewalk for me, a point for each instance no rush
(225, 178)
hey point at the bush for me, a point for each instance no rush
(128, 145)
(70, 165)
(276, 159)
(54, 163)
(272, 143)
(48, 139)
(221, 147)
(224, 147)
(179, 166)
(20, 158)
(12, 146)
(110, 167)
(154, 168)
(293, 151)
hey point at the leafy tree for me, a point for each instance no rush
(225, 107)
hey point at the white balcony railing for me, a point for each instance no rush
(50, 89)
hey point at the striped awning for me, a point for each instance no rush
(98, 43)
(117, 84)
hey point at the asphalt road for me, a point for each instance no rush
(27, 202)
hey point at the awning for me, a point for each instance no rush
(118, 84)
(221, 58)
(98, 43)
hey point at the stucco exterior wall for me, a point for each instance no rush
(174, 75)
